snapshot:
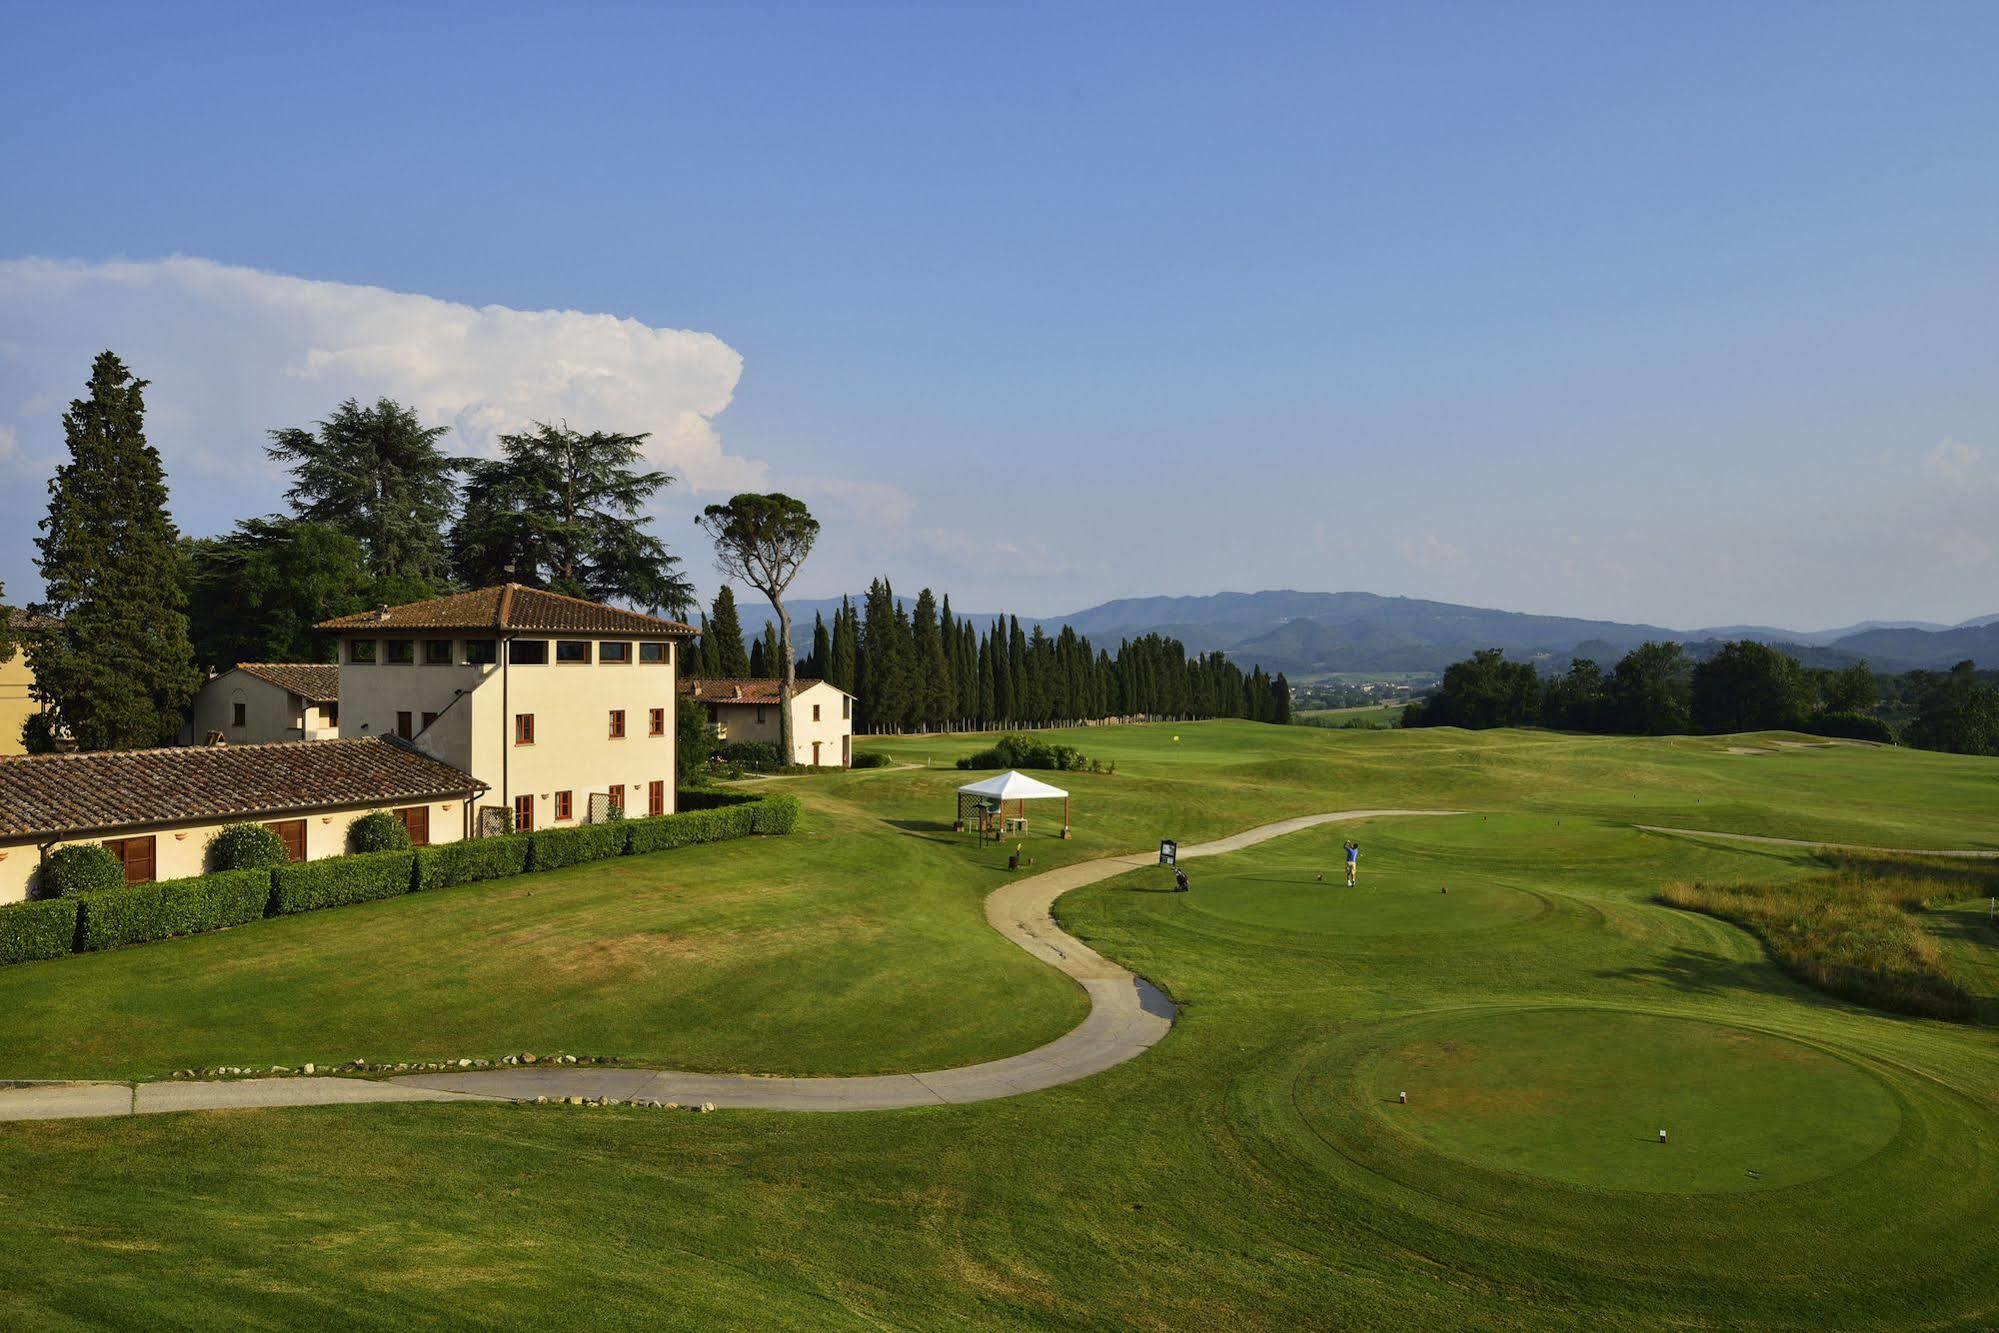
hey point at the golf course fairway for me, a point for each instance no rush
(1510, 968)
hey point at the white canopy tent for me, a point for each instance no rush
(1016, 786)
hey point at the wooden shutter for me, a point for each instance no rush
(291, 832)
(416, 822)
(136, 856)
(656, 799)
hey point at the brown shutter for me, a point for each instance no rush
(416, 823)
(291, 832)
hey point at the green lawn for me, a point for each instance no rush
(1827, 1166)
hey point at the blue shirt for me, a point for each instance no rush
(1353, 854)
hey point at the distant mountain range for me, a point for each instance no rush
(1315, 633)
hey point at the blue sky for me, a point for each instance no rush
(1685, 315)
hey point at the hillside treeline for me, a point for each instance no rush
(923, 668)
(1658, 690)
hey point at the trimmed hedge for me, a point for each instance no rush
(41, 929)
(558, 847)
(774, 815)
(143, 912)
(1851, 726)
(471, 860)
(710, 798)
(307, 886)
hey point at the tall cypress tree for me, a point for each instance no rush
(117, 666)
(930, 702)
(822, 648)
(840, 663)
(773, 657)
(731, 657)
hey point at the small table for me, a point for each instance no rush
(1016, 823)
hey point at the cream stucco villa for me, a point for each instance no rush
(563, 709)
(745, 709)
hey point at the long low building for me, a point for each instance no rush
(157, 809)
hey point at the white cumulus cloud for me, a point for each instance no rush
(1953, 460)
(233, 352)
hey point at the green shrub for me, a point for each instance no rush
(1017, 751)
(1851, 726)
(870, 759)
(558, 847)
(80, 868)
(307, 886)
(138, 913)
(377, 832)
(756, 756)
(471, 860)
(245, 847)
(44, 929)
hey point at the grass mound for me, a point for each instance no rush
(1857, 932)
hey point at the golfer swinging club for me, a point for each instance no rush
(1353, 862)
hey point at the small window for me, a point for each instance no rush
(652, 654)
(524, 728)
(815, 712)
(333, 714)
(239, 714)
(403, 725)
(656, 798)
(572, 650)
(437, 652)
(562, 806)
(615, 798)
(527, 652)
(481, 652)
(614, 651)
(656, 722)
(617, 724)
(760, 714)
(523, 813)
(361, 652)
(428, 718)
(846, 708)
(402, 652)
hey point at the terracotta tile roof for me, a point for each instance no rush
(511, 606)
(315, 682)
(742, 689)
(110, 789)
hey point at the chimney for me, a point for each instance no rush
(739, 691)
(382, 611)
(697, 689)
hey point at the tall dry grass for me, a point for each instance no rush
(1855, 931)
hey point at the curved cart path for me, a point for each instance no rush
(1127, 1015)
(1762, 841)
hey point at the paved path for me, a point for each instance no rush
(1807, 842)
(1127, 1015)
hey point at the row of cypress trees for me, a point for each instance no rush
(923, 668)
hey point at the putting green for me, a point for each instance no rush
(1580, 1095)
